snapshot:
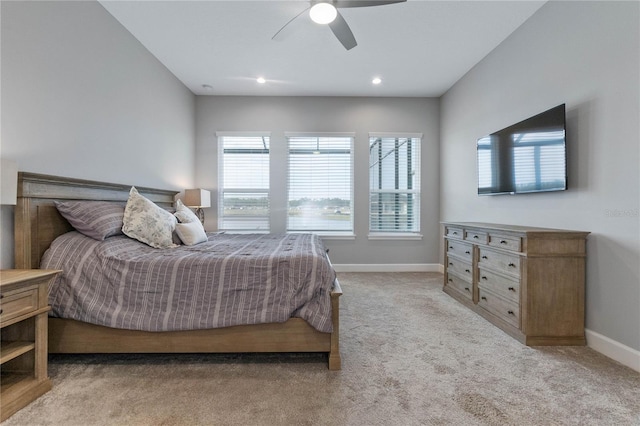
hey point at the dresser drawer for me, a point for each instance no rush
(453, 232)
(17, 303)
(507, 242)
(463, 287)
(502, 286)
(501, 262)
(460, 268)
(505, 309)
(460, 249)
(477, 237)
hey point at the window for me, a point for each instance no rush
(244, 182)
(320, 184)
(394, 184)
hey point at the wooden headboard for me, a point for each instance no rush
(37, 221)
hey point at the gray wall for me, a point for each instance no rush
(334, 114)
(81, 97)
(584, 54)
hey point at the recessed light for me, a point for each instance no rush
(376, 80)
(207, 87)
(261, 80)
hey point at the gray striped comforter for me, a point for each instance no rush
(232, 279)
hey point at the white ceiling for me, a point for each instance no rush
(418, 48)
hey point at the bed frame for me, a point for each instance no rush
(38, 223)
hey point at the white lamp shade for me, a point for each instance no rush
(197, 198)
(9, 176)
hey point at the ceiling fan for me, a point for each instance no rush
(326, 12)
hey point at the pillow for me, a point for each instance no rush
(147, 222)
(191, 233)
(184, 213)
(95, 219)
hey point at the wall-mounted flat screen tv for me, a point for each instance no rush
(529, 156)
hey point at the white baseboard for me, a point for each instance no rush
(614, 350)
(395, 267)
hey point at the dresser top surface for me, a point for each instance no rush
(13, 276)
(529, 230)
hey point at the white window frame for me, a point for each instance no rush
(398, 235)
(221, 185)
(333, 234)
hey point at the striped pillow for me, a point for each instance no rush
(95, 219)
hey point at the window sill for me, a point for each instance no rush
(394, 236)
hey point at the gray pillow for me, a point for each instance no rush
(95, 219)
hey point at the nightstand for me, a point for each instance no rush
(23, 349)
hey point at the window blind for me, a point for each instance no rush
(320, 184)
(244, 183)
(394, 184)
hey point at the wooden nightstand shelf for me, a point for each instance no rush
(23, 350)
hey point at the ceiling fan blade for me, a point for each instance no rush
(290, 21)
(342, 32)
(364, 3)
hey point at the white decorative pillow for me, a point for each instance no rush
(191, 233)
(146, 222)
(184, 213)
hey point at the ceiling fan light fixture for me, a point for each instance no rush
(323, 13)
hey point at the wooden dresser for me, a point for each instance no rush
(528, 281)
(23, 350)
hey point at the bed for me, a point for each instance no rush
(38, 223)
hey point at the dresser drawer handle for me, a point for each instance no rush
(450, 264)
(510, 312)
(503, 242)
(467, 288)
(1, 311)
(512, 265)
(466, 270)
(467, 252)
(476, 237)
(484, 278)
(450, 280)
(483, 298)
(484, 257)
(454, 233)
(450, 247)
(512, 289)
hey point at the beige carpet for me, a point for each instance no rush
(411, 356)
